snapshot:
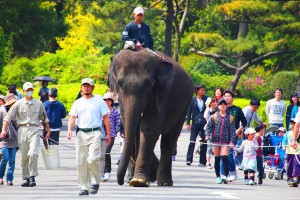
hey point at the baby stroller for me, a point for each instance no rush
(275, 163)
(268, 142)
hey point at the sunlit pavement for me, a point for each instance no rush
(190, 182)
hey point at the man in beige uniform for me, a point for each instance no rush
(89, 110)
(28, 112)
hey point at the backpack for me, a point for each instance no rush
(44, 97)
(215, 118)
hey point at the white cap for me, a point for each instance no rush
(250, 131)
(281, 129)
(27, 85)
(87, 80)
(138, 10)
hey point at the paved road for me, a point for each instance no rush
(190, 182)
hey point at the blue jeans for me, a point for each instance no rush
(231, 163)
(8, 155)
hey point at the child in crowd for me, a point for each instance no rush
(249, 148)
(281, 131)
(211, 108)
(221, 130)
(259, 128)
(292, 157)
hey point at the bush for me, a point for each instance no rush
(211, 82)
(67, 93)
(287, 81)
(261, 111)
(255, 83)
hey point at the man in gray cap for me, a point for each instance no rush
(89, 112)
(28, 113)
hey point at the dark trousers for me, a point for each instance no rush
(293, 167)
(107, 156)
(260, 167)
(195, 131)
(54, 136)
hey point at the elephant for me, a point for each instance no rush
(154, 95)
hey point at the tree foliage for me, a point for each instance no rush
(33, 25)
(69, 40)
(267, 30)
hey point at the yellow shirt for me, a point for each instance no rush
(287, 141)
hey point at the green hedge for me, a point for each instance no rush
(287, 81)
(261, 111)
(67, 93)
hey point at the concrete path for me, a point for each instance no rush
(190, 182)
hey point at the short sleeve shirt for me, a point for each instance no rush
(250, 116)
(297, 118)
(27, 112)
(89, 112)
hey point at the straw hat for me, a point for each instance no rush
(3, 98)
(10, 99)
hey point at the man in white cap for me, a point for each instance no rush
(137, 31)
(28, 113)
(89, 112)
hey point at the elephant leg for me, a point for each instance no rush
(164, 174)
(142, 172)
(154, 168)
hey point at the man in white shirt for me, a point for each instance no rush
(275, 109)
(89, 112)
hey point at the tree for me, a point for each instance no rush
(33, 25)
(298, 84)
(266, 29)
(5, 48)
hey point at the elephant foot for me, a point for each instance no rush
(136, 182)
(164, 183)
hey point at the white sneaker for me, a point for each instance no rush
(233, 177)
(102, 178)
(106, 177)
(251, 182)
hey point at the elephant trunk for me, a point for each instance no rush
(131, 121)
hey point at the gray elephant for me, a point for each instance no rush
(154, 97)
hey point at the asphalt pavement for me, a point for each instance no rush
(190, 182)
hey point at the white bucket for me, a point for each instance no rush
(51, 156)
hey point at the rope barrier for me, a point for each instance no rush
(225, 145)
(212, 144)
(75, 148)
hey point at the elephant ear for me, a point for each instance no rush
(165, 76)
(112, 80)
